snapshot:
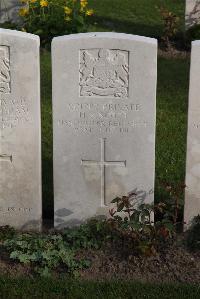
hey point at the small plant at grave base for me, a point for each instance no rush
(44, 253)
(193, 235)
(49, 18)
(134, 225)
(170, 21)
(6, 232)
(174, 203)
(91, 235)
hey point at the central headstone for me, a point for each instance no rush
(104, 106)
(20, 137)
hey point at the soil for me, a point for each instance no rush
(176, 264)
(173, 53)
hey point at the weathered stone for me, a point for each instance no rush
(20, 140)
(192, 13)
(192, 193)
(104, 96)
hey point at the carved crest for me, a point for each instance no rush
(5, 80)
(104, 73)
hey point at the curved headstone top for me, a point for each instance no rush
(104, 111)
(16, 33)
(98, 35)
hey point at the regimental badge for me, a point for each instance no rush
(104, 73)
(5, 80)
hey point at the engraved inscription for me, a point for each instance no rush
(13, 112)
(104, 72)
(103, 118)
(5, 78)
(15, 210)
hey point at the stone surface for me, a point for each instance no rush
(20, 140)
(9, 10)
(192, 193)
(104, 110)
(192, 13)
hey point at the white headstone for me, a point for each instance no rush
(192, 13)
(104, 107)
(20, 140)
(192, 193)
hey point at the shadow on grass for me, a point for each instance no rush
(126, 26)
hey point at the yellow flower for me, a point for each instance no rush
(83, 3)
(67, 10)
(89, 12)
(24, 11)
(67, 18)
(44, 3)
(32, 1)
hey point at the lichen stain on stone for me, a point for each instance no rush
(195, 170)
(92, 173)
(121, 171)
(114, 189)
(195, 149)
(193, 185)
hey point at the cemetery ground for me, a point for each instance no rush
(174, 265)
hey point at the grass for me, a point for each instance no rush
(23, 288)
(134, 16)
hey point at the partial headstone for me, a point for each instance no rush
(9, 10)
(192, 193)
(20, 132)
(192, 13)
(104, 113)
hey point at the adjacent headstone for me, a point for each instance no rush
(104, 107)
(192, 193)
(192, 13)
(20, 140)
(9, 10)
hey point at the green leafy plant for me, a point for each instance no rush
(44, 252)
(135, 224)
(193, 235)
(54, 17)
(91, 235)
(170, 22)
(6, 232)
(174, 203)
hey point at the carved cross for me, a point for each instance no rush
(103, 164)
(6, 158)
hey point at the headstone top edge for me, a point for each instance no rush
(113, 35)
(196, 43)
(20, 34)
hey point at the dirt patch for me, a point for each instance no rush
(173, 53)
(175, 265)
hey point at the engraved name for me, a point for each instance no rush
(105, 118)
(13, 112)
(14, 209)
